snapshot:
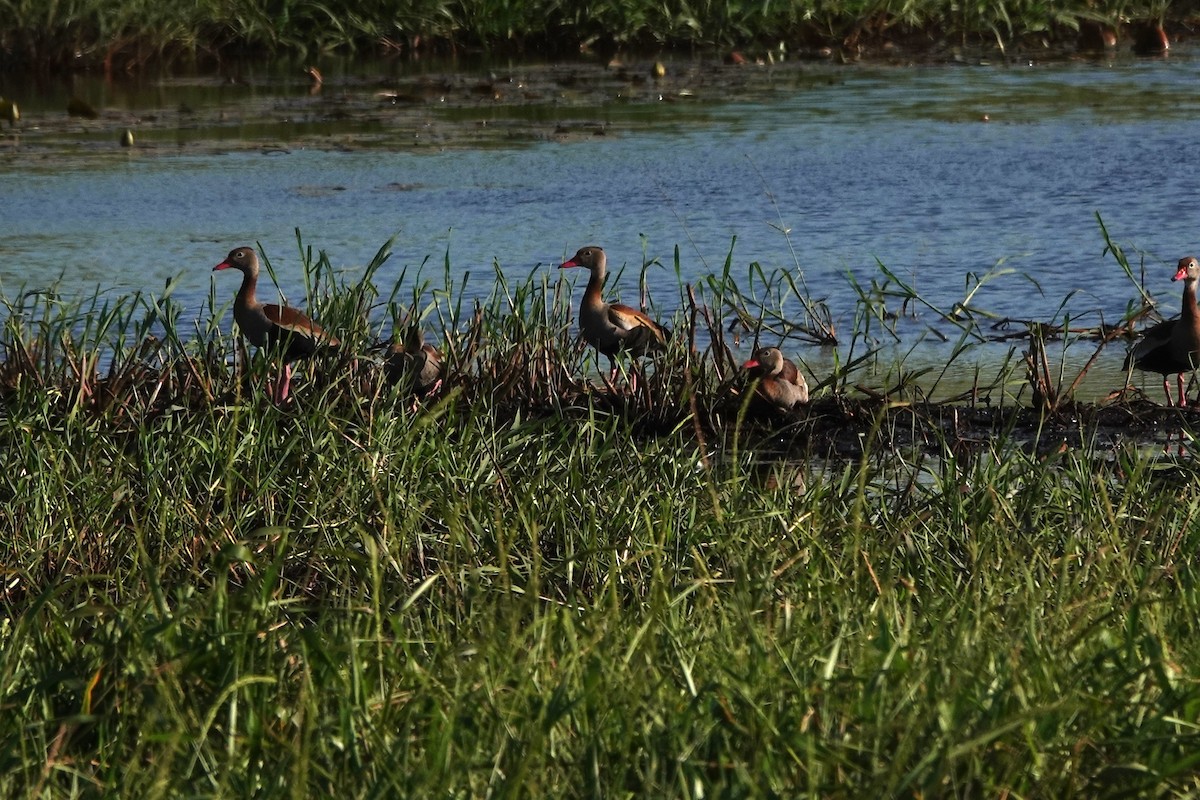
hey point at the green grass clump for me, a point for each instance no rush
(530, 586)
(131, 33)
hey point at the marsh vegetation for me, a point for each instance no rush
(126, 35)
(536, 583)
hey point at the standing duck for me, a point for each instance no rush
(1172, 347)
(779, 381)
(612, 328)
(281, 329)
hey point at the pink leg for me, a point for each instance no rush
(1182, 389)
(611, 383)
(1167, 390)
(285, 384)
(432, 391)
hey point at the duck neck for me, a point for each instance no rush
(247, 296)
(1189, 311)
(592, 295)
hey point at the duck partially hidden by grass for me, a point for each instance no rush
(778, 380)
(287, 333)
(613, 328)
(416, 367)
(1172, 347)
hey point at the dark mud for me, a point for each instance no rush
(846, 427)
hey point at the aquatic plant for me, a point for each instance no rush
(534, 584)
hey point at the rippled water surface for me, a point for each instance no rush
(936, 171)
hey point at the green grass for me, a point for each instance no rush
(530, 587)
(127, 34)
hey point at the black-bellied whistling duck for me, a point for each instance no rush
(280, 329)
(419, 369)
(612, 328)
(1172, 347)
(779, 380)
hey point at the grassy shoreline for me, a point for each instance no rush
(532, 586)
(127, 36)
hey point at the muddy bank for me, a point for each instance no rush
(415, 105)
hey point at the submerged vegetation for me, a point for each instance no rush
(533, 584)
(125, 35)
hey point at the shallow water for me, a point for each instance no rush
(521, 165)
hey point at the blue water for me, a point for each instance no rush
(895, 164)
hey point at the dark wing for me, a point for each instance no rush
(297, 334)
(1155, 338)
(642, 334)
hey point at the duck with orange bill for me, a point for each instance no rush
(778, 380)
(612, 328)
(1172, 347)
(281, 330)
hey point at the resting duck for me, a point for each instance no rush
(612, 328)
(1172, 347)
(419, 369)
(779, 380)
(281, 329)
